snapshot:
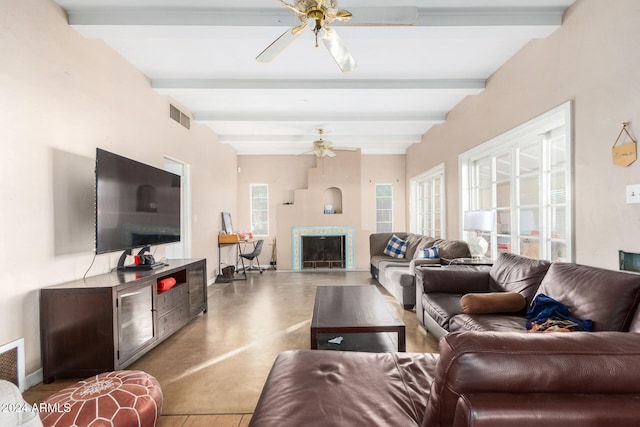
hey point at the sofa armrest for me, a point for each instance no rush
(419, 262)
(586, 363)
(453, 279)
(548, 409)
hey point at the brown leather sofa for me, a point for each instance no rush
(608, 298)
(479, 379)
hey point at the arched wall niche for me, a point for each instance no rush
(332, 200)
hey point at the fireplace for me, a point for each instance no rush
(323, 252)
(330, 247)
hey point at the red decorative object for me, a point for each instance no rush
(111, 399)
(166, 284)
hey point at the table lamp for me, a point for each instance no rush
(478, 222)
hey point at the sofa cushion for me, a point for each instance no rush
(487, 323)
(608, 297)
(341, 388)
(515, 273)
(378, 241)
(377, 260)
(396, 247)
(415, 241)
(441, 307)
(492, 302)
(427, 253)
(452, 249)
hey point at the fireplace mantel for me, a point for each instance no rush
(299, 231)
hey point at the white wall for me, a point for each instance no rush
(63, 96)
(593, 60)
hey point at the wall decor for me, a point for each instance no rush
(624, 154)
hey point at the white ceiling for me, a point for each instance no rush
(202, 54)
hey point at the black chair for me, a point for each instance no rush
(252, 256)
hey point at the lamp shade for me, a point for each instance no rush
(478, 221)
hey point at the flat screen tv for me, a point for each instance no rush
(137, 205)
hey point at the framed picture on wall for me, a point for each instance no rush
(227, 227)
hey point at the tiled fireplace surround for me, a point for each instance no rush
(296, 242)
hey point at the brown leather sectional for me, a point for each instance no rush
(608, 298)
(481, 377)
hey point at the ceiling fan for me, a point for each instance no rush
(322, 148)
(322, 12)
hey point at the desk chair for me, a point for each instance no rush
(251, 256)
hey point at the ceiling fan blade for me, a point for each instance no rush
(341, 15)
(300, 28)
(338, 50)
(280, 44)
(289, 6)
(329, 153)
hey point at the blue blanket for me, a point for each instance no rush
(544, 308)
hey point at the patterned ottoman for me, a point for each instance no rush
(111, 399)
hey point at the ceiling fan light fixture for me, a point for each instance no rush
(322, 12)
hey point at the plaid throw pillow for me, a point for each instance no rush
(396, 247)
(428, 253)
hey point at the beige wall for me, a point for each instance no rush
(303, 180)
(593, 60)
(63, 96)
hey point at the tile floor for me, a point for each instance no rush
(213, 369)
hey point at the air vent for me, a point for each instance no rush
(12, 363)
(179, 116)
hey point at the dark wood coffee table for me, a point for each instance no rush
(358, 314)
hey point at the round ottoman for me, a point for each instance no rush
(111, 399)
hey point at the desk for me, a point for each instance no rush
(226, 240)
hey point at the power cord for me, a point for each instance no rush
(91, 265)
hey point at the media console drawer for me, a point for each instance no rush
(175, 296)
(173, 319)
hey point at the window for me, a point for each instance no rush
(260, 209)
(524, 176)
(384, 208)
(427, 203)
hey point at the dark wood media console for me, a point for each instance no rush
(106, 322)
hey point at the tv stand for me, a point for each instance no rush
(106, 322)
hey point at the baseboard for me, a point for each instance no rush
(33, 378)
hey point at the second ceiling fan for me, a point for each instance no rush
(322, 13)
(322, 148)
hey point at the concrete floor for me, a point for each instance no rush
(213, 369)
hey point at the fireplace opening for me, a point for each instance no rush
(323, 252)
